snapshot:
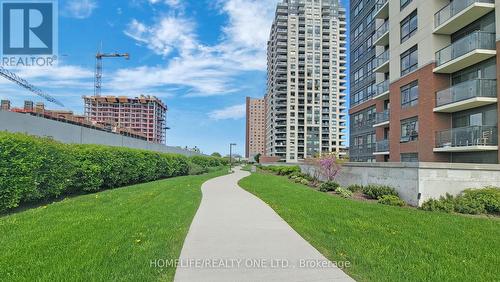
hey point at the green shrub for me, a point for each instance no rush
(391, 200)
(489, 197)
(328, 186)
(468, 206)
(444, 204)
(195, 169)
(343, 192)
(304, 181)
(355, 188)
(34, 168)
(376, 191)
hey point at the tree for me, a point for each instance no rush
(217, 155)
(257, 158)
(329, 166)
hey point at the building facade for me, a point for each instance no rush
(255, 127)
(145, 114)
(424, 81)
(305, 99)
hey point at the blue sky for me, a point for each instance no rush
(201, 57)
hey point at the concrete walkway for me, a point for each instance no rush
(237, 237)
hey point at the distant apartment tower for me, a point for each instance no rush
(144, 114)
(305, 99)
(255, 127)
(424, 81)
(28, 105)
(5, 105)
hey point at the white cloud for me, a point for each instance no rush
(233, 112)
(206, 69)
(79, 9)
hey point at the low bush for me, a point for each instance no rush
(343, 192)
(391, 200)
(304, 181)
(489, 197)
(444, 204)
(470, 201)
(196, 169)
(355, 188)
(33, 168)
(376, 191)
(328, 186)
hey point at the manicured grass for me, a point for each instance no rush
(112, 235)
(385, 243)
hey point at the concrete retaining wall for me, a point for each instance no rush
(74, 134)
(417, 182)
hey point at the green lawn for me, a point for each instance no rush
(112, 235)
(385, 243)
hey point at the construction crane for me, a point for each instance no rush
(98, 69)
(23, 83)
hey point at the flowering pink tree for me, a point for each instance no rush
(329, 166)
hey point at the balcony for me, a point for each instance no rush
(469, 50)
(381, 36)
(467, 139)
(382, 9)
(467, 95)
(382, 119)
(382, 147)
(382, 91)
(382, 62)
(459, 14)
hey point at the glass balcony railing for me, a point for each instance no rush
(382, 59)
(453, 9)
(382, 146)
(382, 117)
(467, 136)
(382, 87)
(381, 31)
(466, 90)
(379, 4)
(473, 41)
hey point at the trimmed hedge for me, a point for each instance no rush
(33, 168)
(282, 170)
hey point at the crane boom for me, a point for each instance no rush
(98, 69)
(23, 83)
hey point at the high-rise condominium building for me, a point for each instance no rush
(306, 85)
(255, 127)
(424, 80)
(144, 114)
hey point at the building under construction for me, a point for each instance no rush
(144, 114)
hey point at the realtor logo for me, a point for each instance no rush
(28, 28)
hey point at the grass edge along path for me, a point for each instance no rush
(110, 235)
(385, 243)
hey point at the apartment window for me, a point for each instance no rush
(409, 95)
(404, 3)
(409, 157)
(409, 130)
(409, 60)
(409, 26)
(358, 8)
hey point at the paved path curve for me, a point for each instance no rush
(237, 237)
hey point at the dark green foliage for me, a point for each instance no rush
(471, 201)
(376, 191)
(355, 188)
(33, 168)
(444, 204)
(282, 170)
(489, 197)
(328, 186)
(195, 169)
(391, 200)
